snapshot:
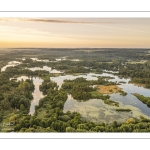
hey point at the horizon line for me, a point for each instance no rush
(73, 48)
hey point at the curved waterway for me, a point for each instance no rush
(10, 64)
(96, 110)
(37, 94)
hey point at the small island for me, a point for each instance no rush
(145, 100)
(111, 89)
(121, 109)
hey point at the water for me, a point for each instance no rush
(115, 78)
(96, 107)
(75, 60)
(37, 94)
(40, 60)
(97, 111)
(131, 99)
(60, 79)
(89, 76)
(56, 60)
(109, 71)
(46, 68)
(61, 59)
(10, 64)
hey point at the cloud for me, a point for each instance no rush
(103, 24)
(10, 31)
(118, 28)
(64, 21)
(47, 20)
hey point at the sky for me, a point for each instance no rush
(75, 32)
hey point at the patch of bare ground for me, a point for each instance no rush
(108, 89)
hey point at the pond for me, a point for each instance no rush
(97, 110)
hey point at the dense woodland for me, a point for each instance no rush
(16, 96)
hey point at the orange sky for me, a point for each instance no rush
(75, 32)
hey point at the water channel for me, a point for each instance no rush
(95, 109)
(10, 64)
(37, 94)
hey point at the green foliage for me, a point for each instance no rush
(112, 103)
(47, 86)
(81, 89)
(97, 95)
(122, 93)
(142, 98)
(139, 73)
(15, 97)
(121, 109)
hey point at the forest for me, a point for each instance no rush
(16, 96)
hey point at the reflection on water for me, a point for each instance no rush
(115, 78)
(97, 111)
(60, 79)
(40, 60)
(37, 94)
(75, 60)
(129, 99)
(90, 76)
(56, 60)
(109, 71)
(10, 64)
(46, 68)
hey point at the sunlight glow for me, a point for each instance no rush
(75, 32)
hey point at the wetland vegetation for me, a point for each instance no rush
(74, 90)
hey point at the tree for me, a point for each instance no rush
(22, 108)
(70, 129)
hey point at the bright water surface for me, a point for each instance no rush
(10, 64)
(37, 94)
(46, 68)
(94, 109)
